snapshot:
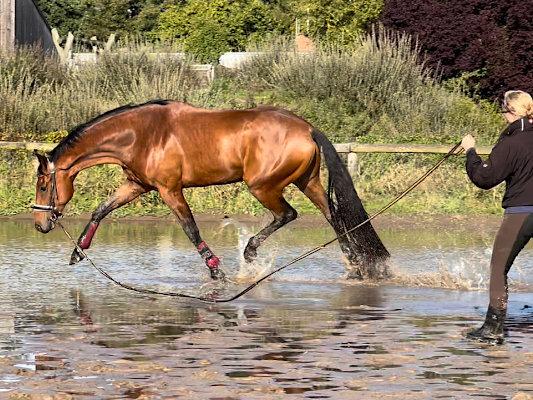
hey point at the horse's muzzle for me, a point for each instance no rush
(47, 227)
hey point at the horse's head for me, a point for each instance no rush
(54, 190)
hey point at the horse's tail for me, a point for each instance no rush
(362, 247)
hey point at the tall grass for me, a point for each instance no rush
(380, 68)
(379, 86)
(58, 99)
(376, 90)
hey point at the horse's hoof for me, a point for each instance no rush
(217, 274)
(250, 255)
(354, 273)
(76, 257)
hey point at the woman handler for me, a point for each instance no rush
(511, 160)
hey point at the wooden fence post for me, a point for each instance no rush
(7, 25)
(64, 53)
(107, 47)
(110, 42)
(353, 164)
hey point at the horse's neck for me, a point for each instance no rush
(86, 154)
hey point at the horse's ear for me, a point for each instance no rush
(43, 160)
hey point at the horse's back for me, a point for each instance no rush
(230, 121)
(234, 131)
(224, 146)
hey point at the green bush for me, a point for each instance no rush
(208, 28)
(17, 185)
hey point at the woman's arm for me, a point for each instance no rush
(487, 174)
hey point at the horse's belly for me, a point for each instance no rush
(211, 175)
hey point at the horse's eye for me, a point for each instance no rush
(43, 188)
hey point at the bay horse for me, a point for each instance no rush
(168, 146)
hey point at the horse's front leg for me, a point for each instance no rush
(177, 203)
(124, 194)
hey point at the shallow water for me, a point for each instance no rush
(306, 333)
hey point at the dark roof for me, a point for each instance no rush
(31, 27)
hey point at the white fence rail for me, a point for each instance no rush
(352, 150)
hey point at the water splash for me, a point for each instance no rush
(249, 272)
(454, 269)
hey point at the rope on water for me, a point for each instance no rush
(213, 299)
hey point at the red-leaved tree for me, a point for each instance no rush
(491, 37)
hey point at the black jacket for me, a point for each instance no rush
(511, 160)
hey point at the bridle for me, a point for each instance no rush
(51, 207)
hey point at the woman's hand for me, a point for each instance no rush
(468, 142)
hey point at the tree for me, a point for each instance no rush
(104, 17)
(336, 20)
(64, 15)
(86, 18)
(489, 40)
(146, 21)
(208, 28)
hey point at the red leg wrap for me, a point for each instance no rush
(85, 241)
(211, 260)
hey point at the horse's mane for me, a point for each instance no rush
(75, 134)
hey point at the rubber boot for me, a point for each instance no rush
(492, 330)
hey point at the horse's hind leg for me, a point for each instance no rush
(177, 203)
(124, 194)
(281, 210)
(315, 192)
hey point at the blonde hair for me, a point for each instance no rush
(519, 103)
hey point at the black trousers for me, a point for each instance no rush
(514, 233)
